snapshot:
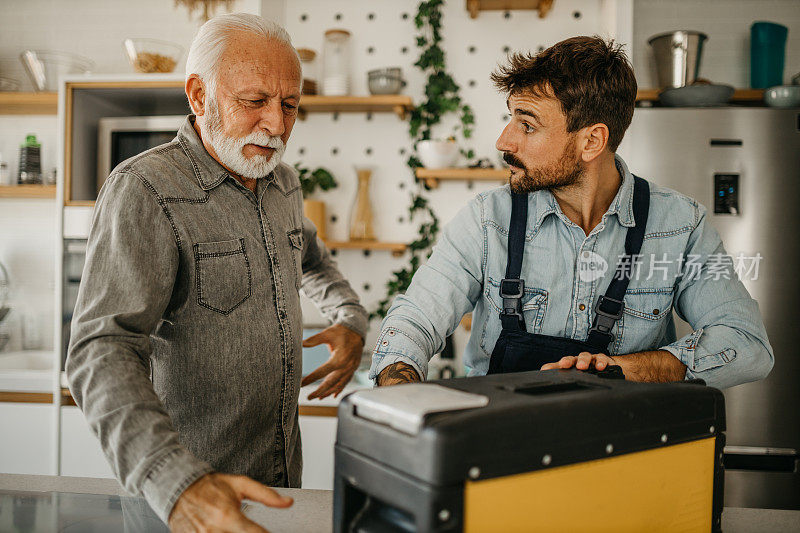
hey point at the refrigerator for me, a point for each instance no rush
(743, 165)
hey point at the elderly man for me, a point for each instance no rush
(536, 259)
(186, 344)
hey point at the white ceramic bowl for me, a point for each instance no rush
(437, 154)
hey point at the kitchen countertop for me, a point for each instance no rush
(313, 509)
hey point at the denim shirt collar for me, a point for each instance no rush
(622, 205)
(207, 170)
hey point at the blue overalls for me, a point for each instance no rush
(517, 350)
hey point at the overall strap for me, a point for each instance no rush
(512, 287)
(610, 306)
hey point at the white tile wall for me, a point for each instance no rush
(93, 28)
(726, 54)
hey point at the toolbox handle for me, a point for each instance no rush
(541, 388)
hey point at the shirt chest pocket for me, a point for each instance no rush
(296, 245)
(645, 319)
(534, 304)
(223, 276)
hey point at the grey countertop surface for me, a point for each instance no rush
(313, 509)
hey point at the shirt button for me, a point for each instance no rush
(586, 255)
(582, 307)
(656, 311)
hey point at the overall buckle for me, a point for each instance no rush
(607, 311)
(511, 291)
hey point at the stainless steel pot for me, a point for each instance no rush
(677, 55)
(385, 80)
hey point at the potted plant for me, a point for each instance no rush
(311, 180)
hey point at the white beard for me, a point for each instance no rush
(229, 149)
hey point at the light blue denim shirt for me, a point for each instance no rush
(682, 265)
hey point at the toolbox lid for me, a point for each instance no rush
(524, 421)
(404, 408)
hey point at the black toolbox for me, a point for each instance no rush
(534, 451)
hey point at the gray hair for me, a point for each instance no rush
(211, 40)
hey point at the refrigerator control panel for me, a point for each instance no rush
(726, 194)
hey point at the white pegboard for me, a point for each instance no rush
(383, 35)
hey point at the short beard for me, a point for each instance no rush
(565, 172)
(229, 149)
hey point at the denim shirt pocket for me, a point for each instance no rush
(534, 307)
(223, 276)
(644, 320)
(296, 240)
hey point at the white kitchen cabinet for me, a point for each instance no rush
(318, 434)
(81, 454)
(26, 440)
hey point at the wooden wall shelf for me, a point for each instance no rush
(17, 103)
(432, 176)
(476, 6)
(27, 191)
(396, 248)
(391, 103)
(740, 95)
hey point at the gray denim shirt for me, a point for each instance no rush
(185, 354)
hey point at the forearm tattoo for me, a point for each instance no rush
(397, 373)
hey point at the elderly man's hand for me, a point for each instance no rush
(583, 361)
(346, 347)
(213, 503)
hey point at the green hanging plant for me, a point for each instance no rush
(311, 180)
(441, 97)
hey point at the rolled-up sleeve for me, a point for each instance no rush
(442, 291)
(131, 263)
(728, 345)
(325, 285)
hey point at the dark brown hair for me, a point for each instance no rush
(591, 78)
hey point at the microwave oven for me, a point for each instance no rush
(119, 138)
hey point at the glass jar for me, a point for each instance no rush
(307, 56)
(336, 63)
